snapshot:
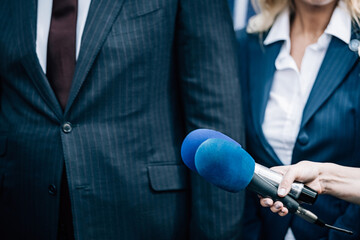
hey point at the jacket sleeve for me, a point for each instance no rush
(210, 91)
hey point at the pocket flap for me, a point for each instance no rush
(168, 177)
(3, 145)
(142, 10)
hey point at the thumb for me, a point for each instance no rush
(287, 181)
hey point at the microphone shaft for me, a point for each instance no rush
(298, 191)
(275, 178)
(266, 189)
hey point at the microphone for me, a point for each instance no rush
(298, 191)
(228, 166)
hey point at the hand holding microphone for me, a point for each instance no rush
(307, 174)
(227, 165)
(326, 178)
(194, 139)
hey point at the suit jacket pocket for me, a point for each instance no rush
(138, 19)
(143, 12)
(168, 177)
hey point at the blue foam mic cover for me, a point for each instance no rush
(225, 164)
(193, 140)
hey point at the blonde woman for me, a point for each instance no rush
(301, 85)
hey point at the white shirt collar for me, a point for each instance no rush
(340, 23)
(280, 30)
(339, 26)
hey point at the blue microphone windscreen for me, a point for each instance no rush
(224, 164)
(193, 140)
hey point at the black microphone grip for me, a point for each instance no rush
(266, 189)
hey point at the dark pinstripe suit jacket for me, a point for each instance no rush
(148, 71)
(329, 132)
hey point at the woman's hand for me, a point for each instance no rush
(305, 171)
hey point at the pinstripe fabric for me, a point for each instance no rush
(329, 132)
(148, 72)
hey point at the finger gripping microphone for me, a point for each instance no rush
(193, 140)
(228, 166)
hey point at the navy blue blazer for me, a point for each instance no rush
(148, 72)
(329, 132)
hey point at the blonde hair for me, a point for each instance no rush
(268, 10)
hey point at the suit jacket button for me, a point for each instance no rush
(66, 127)
(303, 138)
(354, 45)
(52, 189)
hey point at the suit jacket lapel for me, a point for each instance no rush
(30, 61)
(260, 81)
(338, 61)
(101, 16)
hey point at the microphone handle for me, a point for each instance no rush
(264, 188)
(299, 191)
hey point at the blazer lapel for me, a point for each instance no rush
(30, 61)
(101, 16)
(260, 81)
(338, 61)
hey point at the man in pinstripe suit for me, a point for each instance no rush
(103, 144)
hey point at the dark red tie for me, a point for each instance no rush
(61, 51)
(61, 60)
